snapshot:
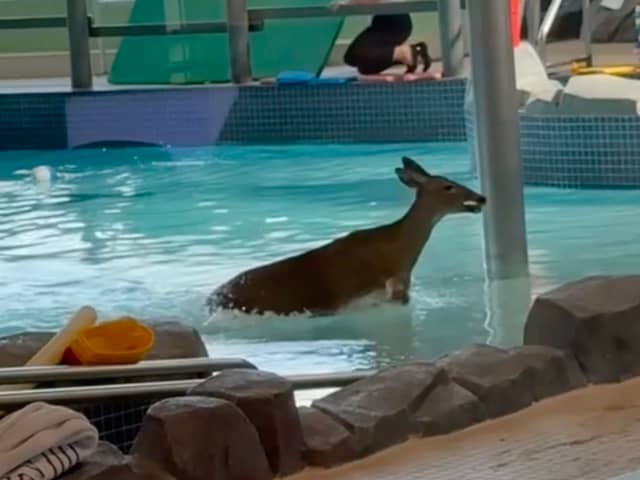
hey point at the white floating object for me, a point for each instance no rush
(41, 174)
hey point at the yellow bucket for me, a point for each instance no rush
(116, 342)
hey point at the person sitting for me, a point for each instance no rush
(383, 44)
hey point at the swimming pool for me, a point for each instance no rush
(150, 232)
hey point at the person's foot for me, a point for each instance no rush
(419, 54)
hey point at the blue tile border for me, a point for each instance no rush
(581, 151)
(557, 150)
(33, 121)
(421, 111)
(424, 111)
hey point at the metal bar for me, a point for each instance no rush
(68, 395)
(160, 29)
(451, 38)
(533, 11)
(382, 8)
(586, 31)
(545, 28)
(146, 368)
(238, 24)
(498, 138)
(328, 380)
(79, 51)
(18, 23)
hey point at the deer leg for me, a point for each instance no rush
(397, 290)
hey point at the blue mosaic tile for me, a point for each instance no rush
(177, 117)
(568, 151)
(581, 151)
(32, 121)
(421, 111)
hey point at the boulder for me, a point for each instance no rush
(597, 319)
(201, 438)
(268, 402)
(16, 350)
(174, 339)
(134, 469)
(502, 382)
(448, 408)
(105, 456)
(108, 463)
(327, 443)
(554, 371)
(379, 410)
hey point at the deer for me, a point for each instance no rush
(371, 261)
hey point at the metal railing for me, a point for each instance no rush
(69, 395)
(539, 32)
(240, 21)
(156, 368)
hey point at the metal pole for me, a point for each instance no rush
(238, 24)
(586, 31)
(498, 138)
(532, 9)
(79, 49)
(165, 388)
(451, 37)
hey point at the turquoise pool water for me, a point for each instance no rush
(150, 232)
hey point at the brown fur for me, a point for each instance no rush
(379, 259)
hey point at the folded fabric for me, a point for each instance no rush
(42, 441)
(295, 77)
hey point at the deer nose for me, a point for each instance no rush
(481, 199)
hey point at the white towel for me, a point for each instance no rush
(42, 441)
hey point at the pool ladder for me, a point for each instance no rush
(538, 31)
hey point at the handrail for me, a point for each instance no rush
(69, 395)
(18, 23)
(146, 368)
(384, 8)
(547, 24)
(81, 28)
(137, 30)
(545, 27)
(158, 29)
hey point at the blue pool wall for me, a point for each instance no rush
(561, 150)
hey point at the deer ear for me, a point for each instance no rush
(409, 178)
(414, 166)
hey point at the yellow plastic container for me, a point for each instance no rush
(116, 342)
(581, 68)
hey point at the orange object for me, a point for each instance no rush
(121, 341)
(515, 22)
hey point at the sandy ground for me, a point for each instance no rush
(592, 433)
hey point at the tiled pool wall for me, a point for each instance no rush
(226, 114)
(562, 151)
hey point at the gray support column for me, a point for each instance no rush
(451, 37)
(79, 48)
(238, 24)
(498, 138)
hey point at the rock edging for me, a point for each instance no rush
(243, 424)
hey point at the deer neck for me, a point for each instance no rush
(416, 227)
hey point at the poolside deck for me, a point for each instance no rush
(610, 53)
(588, 434)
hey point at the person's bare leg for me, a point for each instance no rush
(403, 54)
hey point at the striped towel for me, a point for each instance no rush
(42, 441)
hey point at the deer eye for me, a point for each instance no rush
(448, 188)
